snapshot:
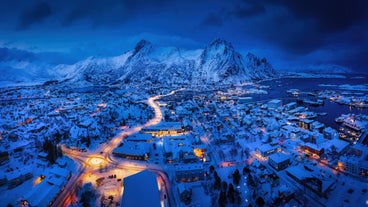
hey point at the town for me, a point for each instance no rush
(193, 146)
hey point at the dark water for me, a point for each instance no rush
(280, 86)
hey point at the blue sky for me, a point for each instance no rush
(289, 33)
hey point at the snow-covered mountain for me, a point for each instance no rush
(218, 62)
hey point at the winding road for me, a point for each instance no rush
(92, 161)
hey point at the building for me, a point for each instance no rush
(141, 190)
(305, 123)
(355, 161)
(274, 104)
(335, 146)
(189, 172)
(164, 129)
(290, 106)
(17, 177)
(279, 161)
(245, 100)
(140, 138)
(312, 179)
(330, 133)
(133, 151)
(318, 126)
(45, 192)
(311, 149)
(268, 149)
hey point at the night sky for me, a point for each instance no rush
(290, 33)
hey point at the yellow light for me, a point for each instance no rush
(38, 180)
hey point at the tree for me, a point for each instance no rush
(224, 186)
(217, 184)
(246, 170)
(212, 169)
(236, 177)
(230, 193)
(222, 199)
(51, 149)
(88, 196)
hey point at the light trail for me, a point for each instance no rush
(101, 158)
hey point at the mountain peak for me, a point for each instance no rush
(142, 46)
(218, 48)
(220, 43)
(218, 62)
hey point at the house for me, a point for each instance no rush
(355, 161)
(45, 192)
(290, 106)
(330, 133)
(164, 129)
(312, 179)
(189, 172)
(268, 149)
(274, 104)
(17, 177)
(318, 126)
(245, 100)
(141, 190)
(133, 151)
(140, 138)
(305, 124)
(279, 161)
(311, 149)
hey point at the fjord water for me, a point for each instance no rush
(279, 87)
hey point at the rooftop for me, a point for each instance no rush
(141, 190)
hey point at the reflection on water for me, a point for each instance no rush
(279, 87)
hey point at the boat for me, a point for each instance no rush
(339, 120)
(322, 114)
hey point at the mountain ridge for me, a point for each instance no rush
(218, 62)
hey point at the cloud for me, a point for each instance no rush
(109, 12)
(248, 9)
(35, 14)
(14, 54)
(316, 29)
(212, 19)
(329, 15)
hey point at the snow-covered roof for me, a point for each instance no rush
(56, 181)
(140, 137)
(266, 147)
(278, 157)
(339, 144)
(189, 167)
(164, 126)
(275, 101)
(313, 146)
(60, 172)
(141, 190)
(133, 148)
(43, 194)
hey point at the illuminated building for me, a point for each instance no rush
(189, 172)
(164, 129)
(267, 149)
(279, 161)
(133, 150)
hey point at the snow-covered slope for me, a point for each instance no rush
(218, 62)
